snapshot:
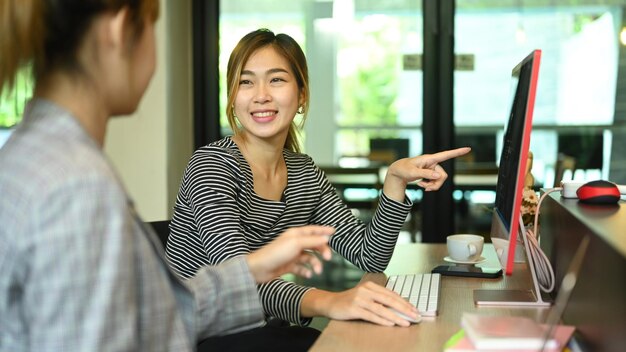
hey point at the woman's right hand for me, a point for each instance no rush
(367, 301)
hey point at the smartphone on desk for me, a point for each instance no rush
(468, 271)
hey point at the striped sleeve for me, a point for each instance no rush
(218, 216)
(368, 246)
(282, 299)
(207, 228)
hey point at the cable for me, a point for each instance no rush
(543, 267)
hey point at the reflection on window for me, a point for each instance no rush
(367, 76)
(379, 97)
(578, 72)
(577, 79)
(367, 62)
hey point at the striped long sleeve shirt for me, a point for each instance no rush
(218, 216)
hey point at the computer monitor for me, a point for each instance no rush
(506, 219)
(513, 159)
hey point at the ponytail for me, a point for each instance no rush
(21, 38)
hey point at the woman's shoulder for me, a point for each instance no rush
(302, 162)
(298, 158)
(218, 159)
(52, 151)
(224, 145)
(223, 150)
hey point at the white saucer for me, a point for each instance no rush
(479, 260)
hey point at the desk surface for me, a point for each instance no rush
(432, 333)
(607, 221)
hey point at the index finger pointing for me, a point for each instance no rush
(450, 154)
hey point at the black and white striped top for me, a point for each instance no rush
(218, 215)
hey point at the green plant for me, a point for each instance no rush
(370, 90)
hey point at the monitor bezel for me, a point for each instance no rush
(506, 253)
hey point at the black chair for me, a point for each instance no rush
(162, 229)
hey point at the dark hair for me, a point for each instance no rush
(48, 33)
(287, 47)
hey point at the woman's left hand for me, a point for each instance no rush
(424, 169)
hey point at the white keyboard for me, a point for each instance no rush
(421, 290)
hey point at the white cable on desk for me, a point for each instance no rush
(543, 267)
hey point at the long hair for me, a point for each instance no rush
(48, 33)
(287, 47)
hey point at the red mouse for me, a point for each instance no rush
(598, 192)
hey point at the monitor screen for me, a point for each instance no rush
(513, 159)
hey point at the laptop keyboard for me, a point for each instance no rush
(421, 290)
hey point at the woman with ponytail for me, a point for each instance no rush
(79, 270)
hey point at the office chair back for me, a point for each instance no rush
(563, 163)
(162, 229)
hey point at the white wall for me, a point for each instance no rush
(151, 148)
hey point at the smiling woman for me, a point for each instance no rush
(267, 97)
(283, 67)
(239, 192)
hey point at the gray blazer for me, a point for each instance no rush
(79, 271)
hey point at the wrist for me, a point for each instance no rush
(315, 303)
(394, 187)
(253, 267)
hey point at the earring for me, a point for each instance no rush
(300, 110)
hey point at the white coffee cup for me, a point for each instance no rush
(465, 247)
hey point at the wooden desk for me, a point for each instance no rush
(431, 333)
(598, 303)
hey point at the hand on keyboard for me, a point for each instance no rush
(421, 290)
(367, 301)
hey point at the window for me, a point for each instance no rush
(577, 79)
(367, 81)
